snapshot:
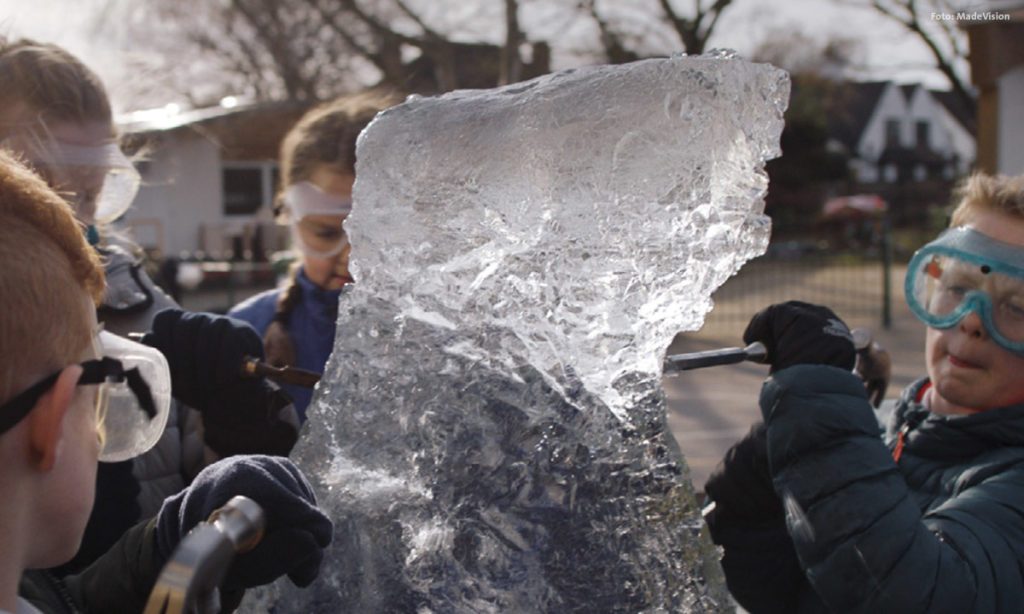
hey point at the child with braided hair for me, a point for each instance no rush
(318, 169)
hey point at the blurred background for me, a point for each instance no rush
(893, 101)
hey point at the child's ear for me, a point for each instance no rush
(47, 416)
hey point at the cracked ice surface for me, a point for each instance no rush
(490, 434)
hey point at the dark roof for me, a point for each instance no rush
(908, 91)
(245, 132)
(161, 120)
(957, 109)
(856, 104)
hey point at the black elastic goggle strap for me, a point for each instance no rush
(15, 410)
(93, 372)
(96, 371)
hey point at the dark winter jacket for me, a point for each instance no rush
(131, 490)
(118, 582)
(130, 303)
(942, 530)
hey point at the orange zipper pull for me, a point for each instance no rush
(901, 437)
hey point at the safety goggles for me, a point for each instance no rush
(315, 218)
(132, 396)
(97, 180)
(962, 271)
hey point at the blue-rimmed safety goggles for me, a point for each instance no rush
(962, 271)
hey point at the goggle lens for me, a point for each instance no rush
(134, 406)
(945, 282)
(131, 398)
(320, 238)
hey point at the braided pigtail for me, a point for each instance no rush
(277, 341)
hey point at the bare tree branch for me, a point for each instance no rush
(693, 36)
(615, 50)
(945, 51)
(511, 63)
(300, 48)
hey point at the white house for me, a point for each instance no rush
(208, 179)
(897, 133)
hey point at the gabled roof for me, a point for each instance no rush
(847, 123)
(957, 109)
(908, 90)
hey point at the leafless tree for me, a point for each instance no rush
(312, 49)
(809, 167)
(622, 38)
(411, 53)
(277, 47)
(945, 40)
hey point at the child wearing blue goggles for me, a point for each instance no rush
(968, 287)
(926, 515)
(964, 271)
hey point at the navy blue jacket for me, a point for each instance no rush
(311, 325)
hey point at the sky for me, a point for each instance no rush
(888, 52)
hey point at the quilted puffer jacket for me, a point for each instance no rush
(941, 530)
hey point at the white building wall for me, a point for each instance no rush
(921, 107)
(947, 136)
(181, 190)
(891, 105)
(956, 139)
(1010, 152)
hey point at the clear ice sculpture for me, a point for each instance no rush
(490, 434)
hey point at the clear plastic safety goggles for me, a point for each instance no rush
(132, 396)
(962, 271)
(99, 181)
(317, 237)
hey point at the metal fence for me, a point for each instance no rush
(858, 287)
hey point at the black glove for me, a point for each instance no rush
(741, 484)
(205, 353)
(749, 523)
(297, 532)
(798, 333)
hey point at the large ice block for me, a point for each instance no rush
(490, 434)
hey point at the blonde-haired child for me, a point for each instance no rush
(822, 511)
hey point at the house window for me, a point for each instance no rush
(922, 128)
(247, 187)
(892, 133)
(890, 173)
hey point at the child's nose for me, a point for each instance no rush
(972, 324)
